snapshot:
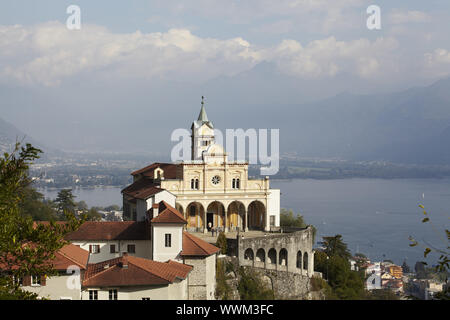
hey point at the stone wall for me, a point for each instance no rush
(291, 252)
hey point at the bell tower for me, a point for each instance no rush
(202, 134)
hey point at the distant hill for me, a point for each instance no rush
(9, 135)
(316, 117)
(412, 126)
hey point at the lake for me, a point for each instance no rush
(374, 216)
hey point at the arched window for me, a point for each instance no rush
(194, 184)
(305, 261)
(261, 255)
(272, 255)
(299, 259)
(238, 184)
(248, 254)
(283, 257)
(235, 183)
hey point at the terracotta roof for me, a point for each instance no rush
(65, 257)
(170, 170)
(142, 189)
(168, 214)
(193, 246)
(117, 230)
(139, 271)
(69, 255)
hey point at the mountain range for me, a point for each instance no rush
(315, 118)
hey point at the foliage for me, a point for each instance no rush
(334, 246)
(82, 205)
(222, 243)
(443, 262)
(287, 219)
(93, 215)
(223, 289)
(251, 286)
(65, 201)
(319, 284)
(405, 267)
(35, 206)
(26, 248)
(113, 207)
(334, 264)
(382, 294)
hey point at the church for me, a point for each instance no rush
(209, 190)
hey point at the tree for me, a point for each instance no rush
(222, 243)
(334, 246)
(443, 262)
(26, 248)
(334, 264)
(287, 219)
(34, 205)
(405, 267)
(223, 289)
(251, 286)
(93, 215)
(82, 205)
(65, 201)
(113, 207)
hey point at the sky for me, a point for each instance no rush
(164, 45)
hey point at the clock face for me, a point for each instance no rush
(215, 180)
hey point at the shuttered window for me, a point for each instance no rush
(93, 295)
(168, 240)
(113, 294)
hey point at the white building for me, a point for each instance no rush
(208, 190)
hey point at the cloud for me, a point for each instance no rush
(397, 17)
(49, 52)
(327, 57)
(437, 63)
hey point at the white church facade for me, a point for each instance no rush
(209, 190)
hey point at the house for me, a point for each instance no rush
(71, 262)
(133, 278)
(157, 242)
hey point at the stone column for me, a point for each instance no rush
(225, 212)
(205, 224)
(311, 264)
(246, 219)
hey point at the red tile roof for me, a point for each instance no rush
(170, 170)
(65, 257)
(168, 214)
(139, 271)
(117, 230)
(71, 255)
(142, 189)
(193, 246)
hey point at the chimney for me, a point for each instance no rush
(125, 260)
(155, 208)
